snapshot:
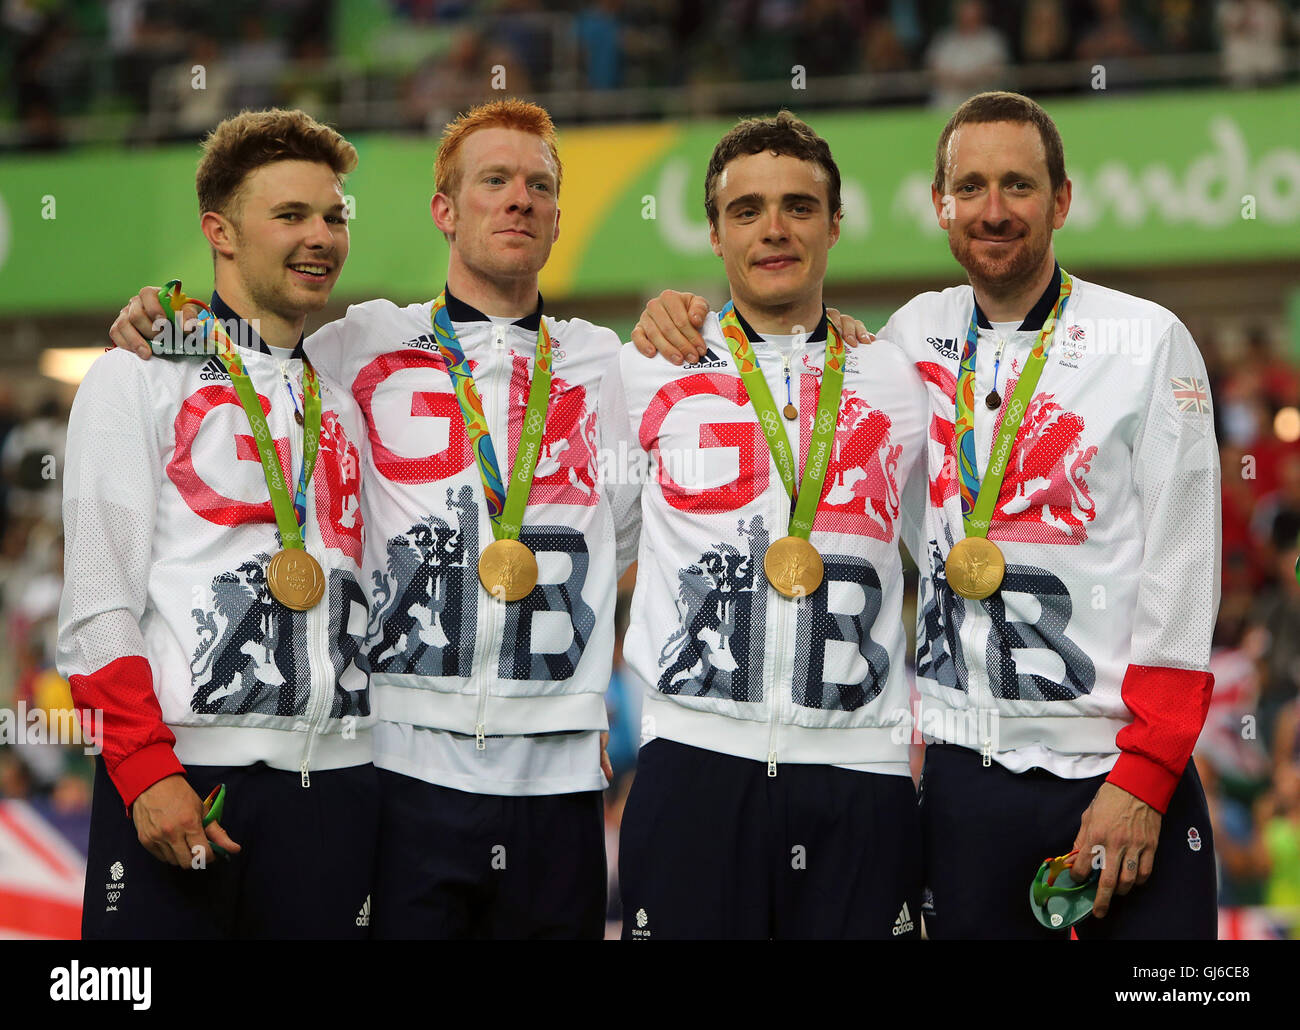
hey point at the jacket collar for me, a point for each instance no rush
(1038, 313)
(818, 333)
(246, 336)
(459, 311)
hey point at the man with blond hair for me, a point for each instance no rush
(218, 672)
(490, 634)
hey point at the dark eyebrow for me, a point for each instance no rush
(1008, 176)
(302, 205)
(748, 200)
(756, 200)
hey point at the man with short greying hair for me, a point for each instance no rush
(212, 597)
(1073, 570)
(772, 796)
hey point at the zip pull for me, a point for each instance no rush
(771, 764)
(306, 776)
(986, 754)
(293, 397)
(499, 335)
(790, 411)
(480, 738)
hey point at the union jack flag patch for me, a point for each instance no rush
(1191, 394)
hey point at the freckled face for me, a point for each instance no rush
(505, 215)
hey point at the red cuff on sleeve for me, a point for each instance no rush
(1146, 780)
(139, 771)
(1169, 708)
(137, 744)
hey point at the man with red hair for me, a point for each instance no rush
(489, 658)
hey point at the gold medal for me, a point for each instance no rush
(793, 566)
(295, 579)
(508, 570)
(975, 567)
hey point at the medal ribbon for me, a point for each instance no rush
(979, 497)
(505, 504)
(807, 495)
(290, 516)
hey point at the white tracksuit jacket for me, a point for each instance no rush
(166, 621)
(728, 663)
(1094, 654)
(443, 654)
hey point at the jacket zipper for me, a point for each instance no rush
(779, 526)
(980, 684)
(489, 608)
(318, 656)
(776, 691)
(481, 667)
(318, 699)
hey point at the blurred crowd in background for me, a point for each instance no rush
(1249, 751)
(32, 436)
(129, 70)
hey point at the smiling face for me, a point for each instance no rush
(1003, 206)
(773, 233)
(287, 237)
(504, 216)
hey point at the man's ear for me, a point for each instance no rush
(444, 214)
(1061, 204)
(943, 205)
(714, 240)
(221, 232)
(556, 237)
(835, 227)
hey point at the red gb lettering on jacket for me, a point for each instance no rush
(337, 472)
(743, 435)
(338, 488)
(861, 495)
(566, 468)
(204, 500)
(424, 379)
